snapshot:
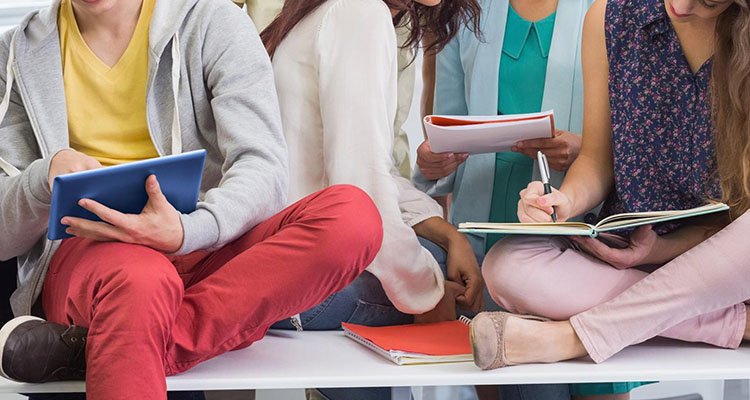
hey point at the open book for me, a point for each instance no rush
(611, 223)
(486, 134)
(440, 342)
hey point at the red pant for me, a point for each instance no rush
(149, 314)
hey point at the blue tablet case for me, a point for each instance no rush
(123, 188)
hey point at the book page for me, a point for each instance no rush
(402, 358)
(537, 228)
(456, 120)
(631, 220)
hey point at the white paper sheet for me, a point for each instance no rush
(489, 137)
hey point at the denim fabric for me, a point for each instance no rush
(364, 302)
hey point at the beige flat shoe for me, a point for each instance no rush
(488, 340)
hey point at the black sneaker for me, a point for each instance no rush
(34, 350)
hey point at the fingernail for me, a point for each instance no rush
(519, 145)
(82, 202)
(65, 221)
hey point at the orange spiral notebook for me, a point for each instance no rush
(440, 342)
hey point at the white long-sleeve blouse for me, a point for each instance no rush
(336, 76)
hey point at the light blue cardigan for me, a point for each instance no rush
(467, 84)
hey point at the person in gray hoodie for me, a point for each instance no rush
(138, 297)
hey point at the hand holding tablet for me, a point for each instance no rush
(121, 202)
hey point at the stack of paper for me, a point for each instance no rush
(486, 134)
(439, 342)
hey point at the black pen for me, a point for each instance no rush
(544, 170)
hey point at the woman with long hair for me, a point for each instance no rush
(338, 92)
(336, 69)
(666, 127)
(528, 60)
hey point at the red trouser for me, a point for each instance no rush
(149, 314)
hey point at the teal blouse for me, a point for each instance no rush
(523, 71)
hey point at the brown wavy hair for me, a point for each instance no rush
(442, 21)
(731, 102)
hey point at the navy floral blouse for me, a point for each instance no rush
(664, 156)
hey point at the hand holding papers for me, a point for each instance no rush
(486, 134)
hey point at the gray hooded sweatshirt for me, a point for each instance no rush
(204, 53)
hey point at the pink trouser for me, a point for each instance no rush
(149, 315)
(697, 297)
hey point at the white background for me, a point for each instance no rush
(12, 10)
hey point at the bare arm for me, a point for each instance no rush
(461, 262)
(591, 176)
(673, 244)
(645, 247)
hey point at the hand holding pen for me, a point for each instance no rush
(540, 202)
(544, 170)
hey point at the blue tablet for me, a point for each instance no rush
(123, 188)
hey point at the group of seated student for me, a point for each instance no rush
(306, 207)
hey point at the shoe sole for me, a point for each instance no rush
(5, 332)
(472, 341)
(474, 349)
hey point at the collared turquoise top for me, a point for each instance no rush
(523, 64)
(522, 76)
(466, 83)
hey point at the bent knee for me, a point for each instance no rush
(516, 271)
(354, 220)
(350, 201)
(141, 270)
(504, 264)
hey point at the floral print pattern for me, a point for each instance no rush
(662, 131)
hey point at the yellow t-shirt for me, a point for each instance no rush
(107, 106)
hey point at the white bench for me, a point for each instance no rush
(290, 360)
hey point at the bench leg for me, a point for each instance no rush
(417, 392)
(401, 393)
(737, 389)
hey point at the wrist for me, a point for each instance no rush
(572, 202)
(660, 252)
(438, 231)
(457, 240)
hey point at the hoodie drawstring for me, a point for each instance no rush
(7, 167)
(10, 170)
(176, 61)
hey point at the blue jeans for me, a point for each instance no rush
(364, 302)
